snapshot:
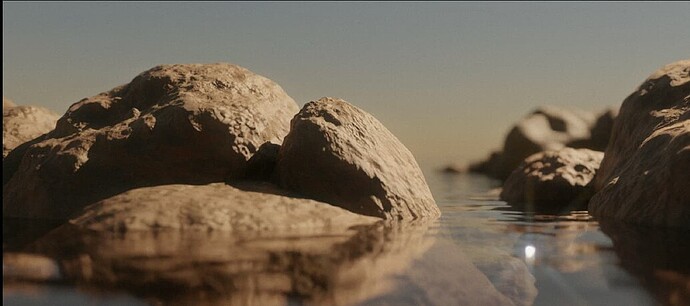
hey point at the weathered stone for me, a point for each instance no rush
(547, 128)
(192, 124)
(645, 174)
(337, 153)
(214, 207)
(601, 131)
(262, 164)
(319, 266)
(7, 103)
(553, 180)
(23, 123)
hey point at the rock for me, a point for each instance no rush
(191, 124)
(645, 174)
(23, 123)
(262, 164)
(547, 128)
(489, 166)
(7, 103)
(337, 153)
(553, 180)
(213, 207)
(601, 131)
(455, 169)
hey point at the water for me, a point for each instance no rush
(480, 252)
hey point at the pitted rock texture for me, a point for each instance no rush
(214, 207)
(553, 180)
(24, 123)
(192, 124)
(337, 153)
(645, 175)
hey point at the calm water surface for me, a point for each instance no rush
(479, 253)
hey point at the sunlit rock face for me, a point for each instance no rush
(645, 174)
(218, 207)
(23, 123)
(344, 266)
(193, 124)
(338, 153)
(553, 180)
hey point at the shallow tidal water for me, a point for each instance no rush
(480, 252)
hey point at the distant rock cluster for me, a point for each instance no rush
(548, 128)
(642, 176)
(196, 128)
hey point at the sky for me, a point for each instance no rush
(449, 79)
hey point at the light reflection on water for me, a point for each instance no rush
(480, 252)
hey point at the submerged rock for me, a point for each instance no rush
(192, 124)
(645, 174)
(214, 207)
(337, 153)
(24, 123)
(553, 180)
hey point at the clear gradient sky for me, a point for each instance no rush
(447, 78)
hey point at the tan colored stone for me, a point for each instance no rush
(553, 180)
(338, 153)
(260, 207)
(192, 124)
(24, 123)
(645, 174)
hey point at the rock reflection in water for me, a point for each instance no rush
(658, 256)
(324, 268)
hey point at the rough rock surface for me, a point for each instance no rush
(553, 180)
(339, 154)
(547, 128)
(645, 174)
(23, 123)
(213, 207)
(193, 124)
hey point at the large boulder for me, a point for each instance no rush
(23, 123)
(553, 180)
(645, 174)
(337, 153)
(259, 207)
(192, 124)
